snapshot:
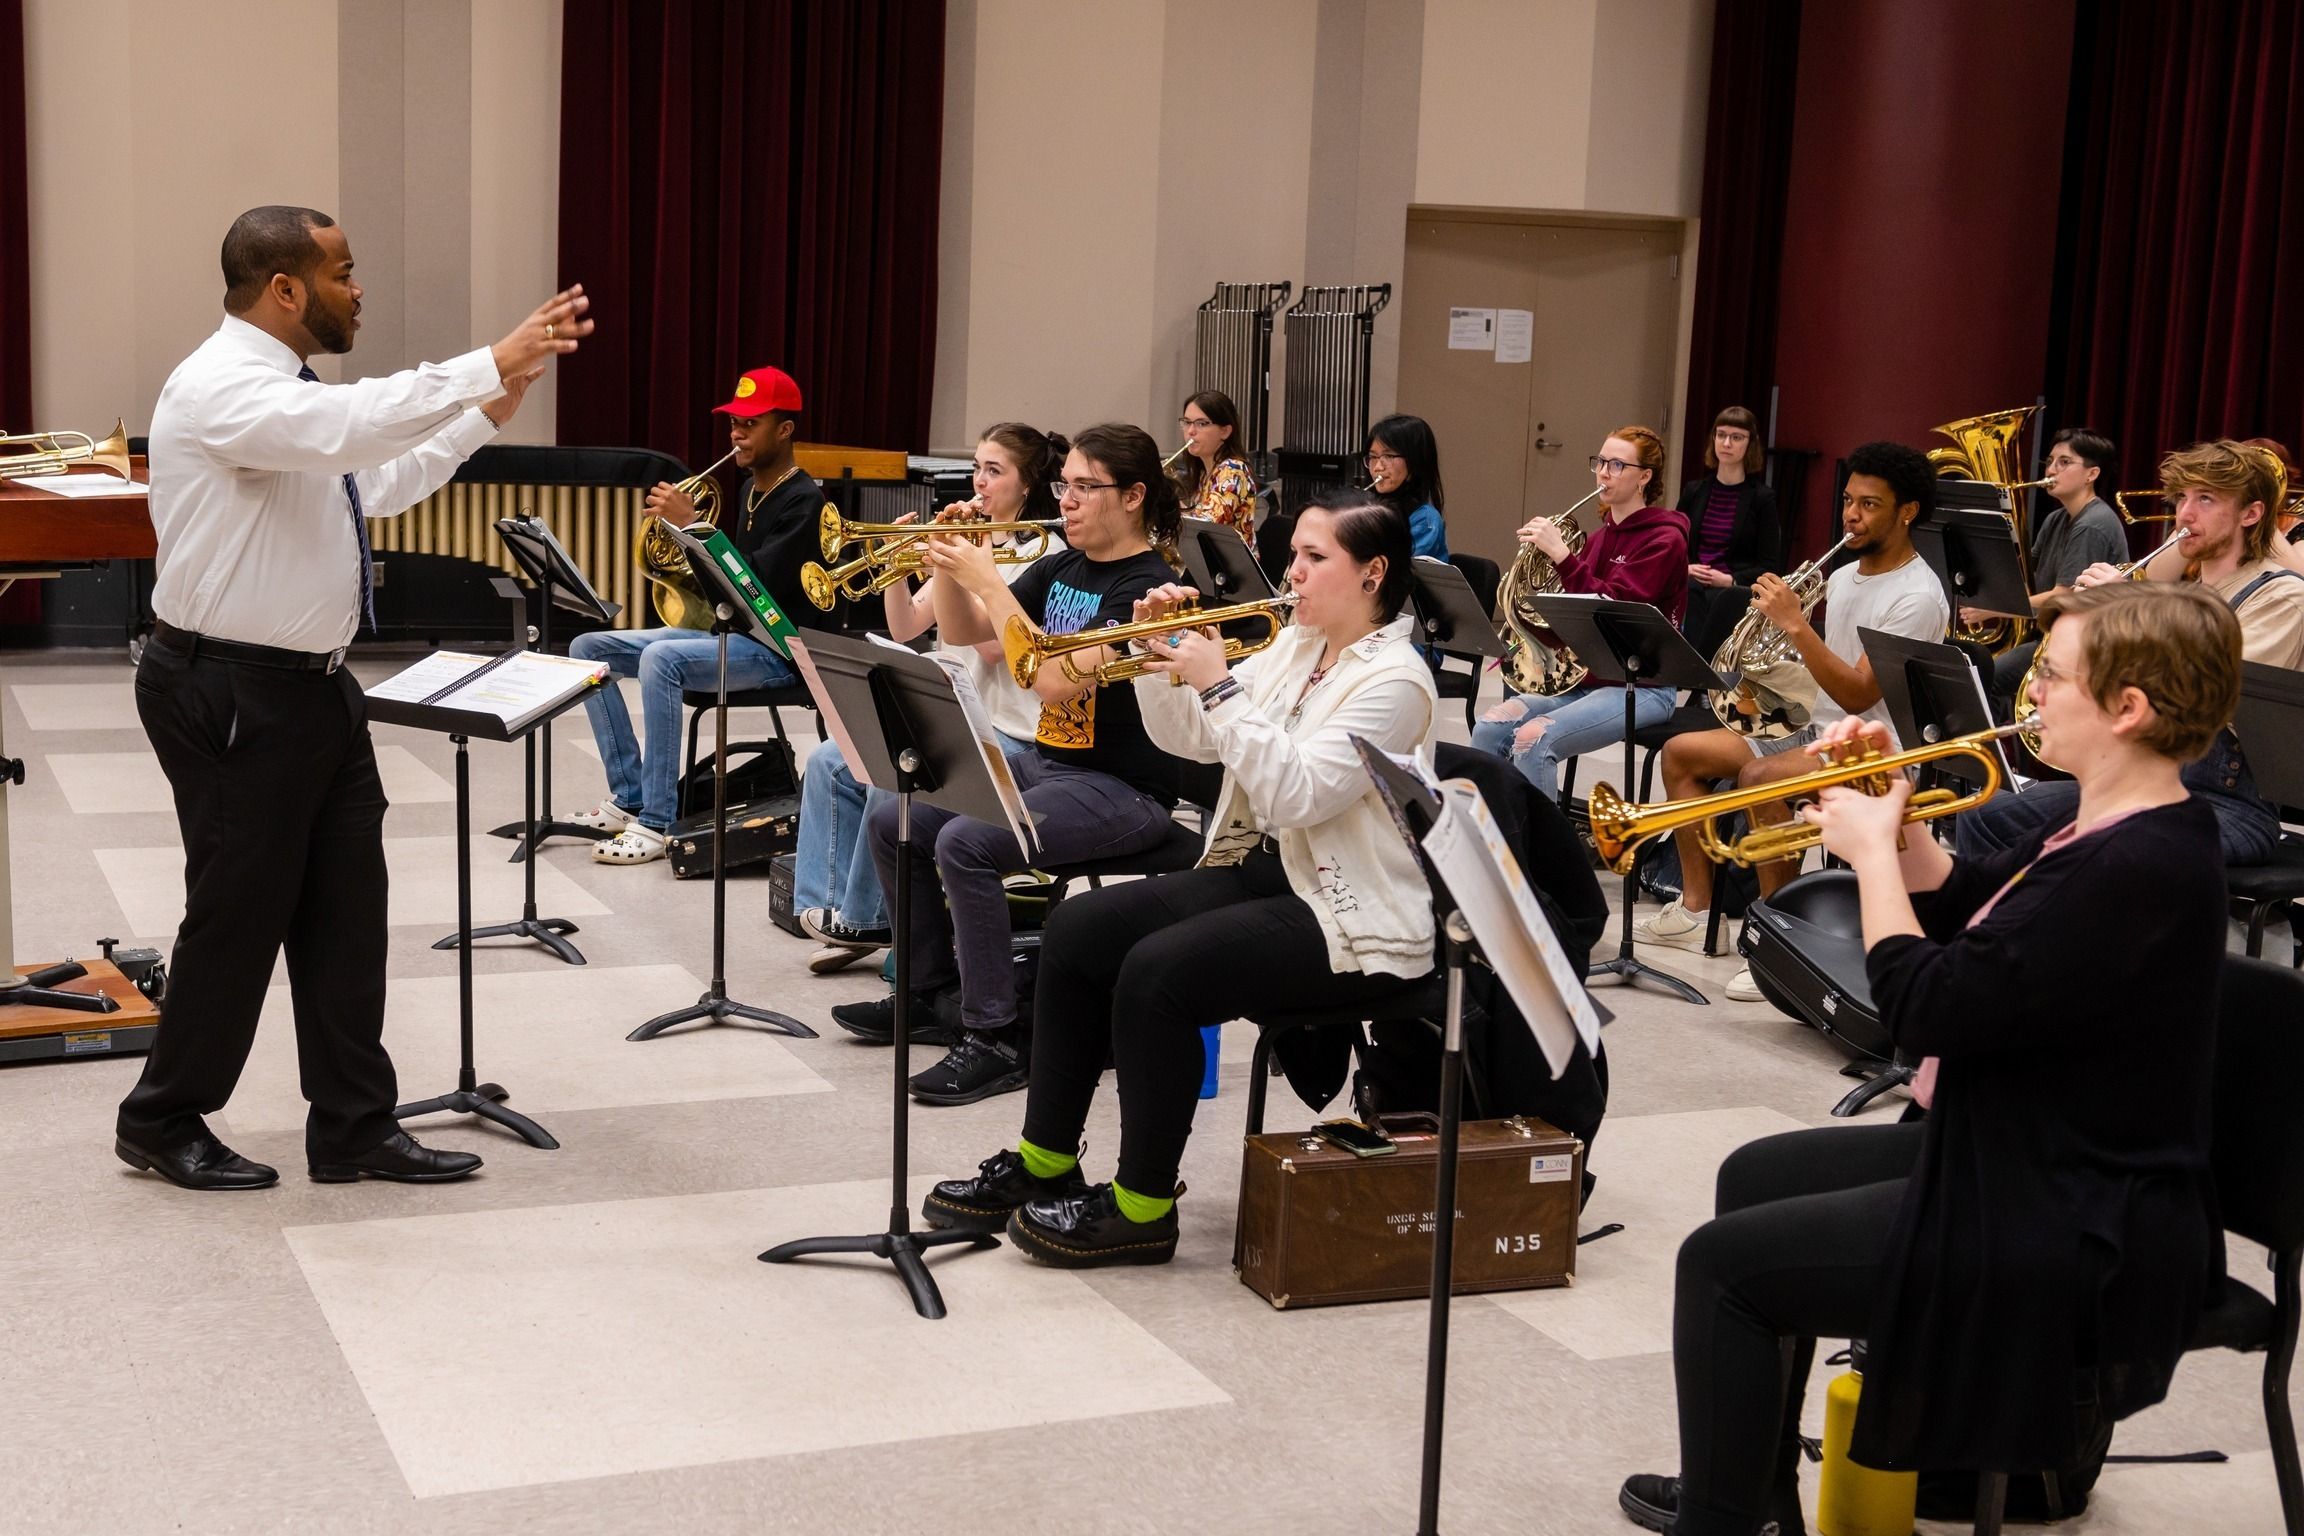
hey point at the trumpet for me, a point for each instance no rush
(893, 551)
(1028, 646)
(2120, 505)
(1620, 827)
(26, 454)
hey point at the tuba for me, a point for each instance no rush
(679, 601)
(1776, 693)
(1533, 661)
(24, 455)
(1985, 450)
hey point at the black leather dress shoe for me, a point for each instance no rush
(1650, 1501)
(204, 1163)
(1086, 1231)
(1002, 1183)
(398, 1157)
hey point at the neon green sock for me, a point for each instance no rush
(1140, 1208)
(1044, 1164)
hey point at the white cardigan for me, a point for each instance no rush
(1299, 781)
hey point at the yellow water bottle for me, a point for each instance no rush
(1855, 1500)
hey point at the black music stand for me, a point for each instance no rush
(470, 1096)
(560, 582)
(1649, 653)
(1975, 554)
(901, 727)
(1448, 613)
(1220, 563)
(732, 613)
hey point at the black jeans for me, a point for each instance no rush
(282, 816)
(1141, 968)
(1794, 1253)
(958, 922)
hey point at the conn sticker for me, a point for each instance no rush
(745, 389)
(1550, 1167)
(88, 1043)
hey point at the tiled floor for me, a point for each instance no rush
(583, 1341)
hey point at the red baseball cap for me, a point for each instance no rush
(761, 391)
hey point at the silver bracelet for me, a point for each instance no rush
(1218, 691)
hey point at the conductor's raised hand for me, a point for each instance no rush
(552, 329)
(501, 409)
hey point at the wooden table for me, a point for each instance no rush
(40, 530)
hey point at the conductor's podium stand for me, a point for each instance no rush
(29, 1033)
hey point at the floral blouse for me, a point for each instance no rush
(1228, 496)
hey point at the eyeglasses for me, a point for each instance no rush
(1063, 488)
(1374, 459)
(1193, 423)
(1611, 466)
(2047, 673)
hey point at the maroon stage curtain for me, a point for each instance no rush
(21, 605)
(2183, 222)
(750, 182)
(1740, 249)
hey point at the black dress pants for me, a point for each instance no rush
(1140, 968)
(282, 815)
(1795, 1252)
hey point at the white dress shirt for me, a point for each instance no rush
(248, 463)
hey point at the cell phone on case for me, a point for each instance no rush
(1355, 1138)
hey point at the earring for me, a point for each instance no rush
(1368, 586)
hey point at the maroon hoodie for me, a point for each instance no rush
(1643, 559)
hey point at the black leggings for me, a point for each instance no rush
(1794, 1253)
(1140, 968)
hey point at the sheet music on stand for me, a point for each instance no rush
(971, 703)
(517, 688)
(1465, 849)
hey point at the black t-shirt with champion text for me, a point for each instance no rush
(1065, 593)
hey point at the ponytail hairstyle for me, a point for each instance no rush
(1127, 455)
(1039, 458)
(1217, 406)
(1648, 450)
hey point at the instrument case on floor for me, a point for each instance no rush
(1806, 948)
(780, 896)
(757, 830)
(1319, 1225)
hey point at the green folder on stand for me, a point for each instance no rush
(740, 574)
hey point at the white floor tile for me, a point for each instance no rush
(94, 783)
(149, 885)
(408, 781)
(590, 1340)
(108, 705)
(555, 1038)
(1658, 1182)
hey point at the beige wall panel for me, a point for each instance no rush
(125, 281)
(1646, 152)
(949, 427)
(515, 201)
(1506, 103)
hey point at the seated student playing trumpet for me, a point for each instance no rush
(2026, 1264)
(1096, 786)
(1306, 897)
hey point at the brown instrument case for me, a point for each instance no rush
(1319, 1225)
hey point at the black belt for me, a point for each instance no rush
(186, 643)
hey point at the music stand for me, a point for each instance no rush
(1975, 554)
(901, 728)
(732, 613)
(1220, 563)
(1649, 653)
(1448, 611)
(561, 583)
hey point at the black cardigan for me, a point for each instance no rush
(1752, 541)
(2058, 1236)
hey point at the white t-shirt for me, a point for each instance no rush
(1907, 601)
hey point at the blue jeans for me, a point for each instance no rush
(832, 863)
(2246, 828)
(958, 925)
(1582, 721)
(667, 661)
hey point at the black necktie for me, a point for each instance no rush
(359, 530)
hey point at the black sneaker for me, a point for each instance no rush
(1087, 1230)
(1650, 1501)
(1002, 1183)
(824, 925)
(935, 1018)
(983, 1063)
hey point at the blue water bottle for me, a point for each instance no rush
(1212, 1039)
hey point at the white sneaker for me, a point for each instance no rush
(1675, 926)
(636, 844)
(607, 817)
(1743, 989)
(834, 957)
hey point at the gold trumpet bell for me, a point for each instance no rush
(52, 453)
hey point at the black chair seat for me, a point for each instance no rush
(2242, 1320)
(2265, 888)
(776, 699)
(1425, 999)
